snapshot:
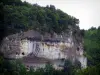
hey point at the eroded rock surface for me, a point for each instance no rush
(33, 46)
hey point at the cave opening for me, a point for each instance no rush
(77, 48)
(23, 53)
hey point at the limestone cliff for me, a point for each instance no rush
(36, 49)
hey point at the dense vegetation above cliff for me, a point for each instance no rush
(21, 16)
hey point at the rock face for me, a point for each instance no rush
(36, 49)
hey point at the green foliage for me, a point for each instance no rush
(2, 26)
(93, 70)
(15, 67)
(92, 46)
(17, 16)
(92, 52)
(68, 67)
(22, 16)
